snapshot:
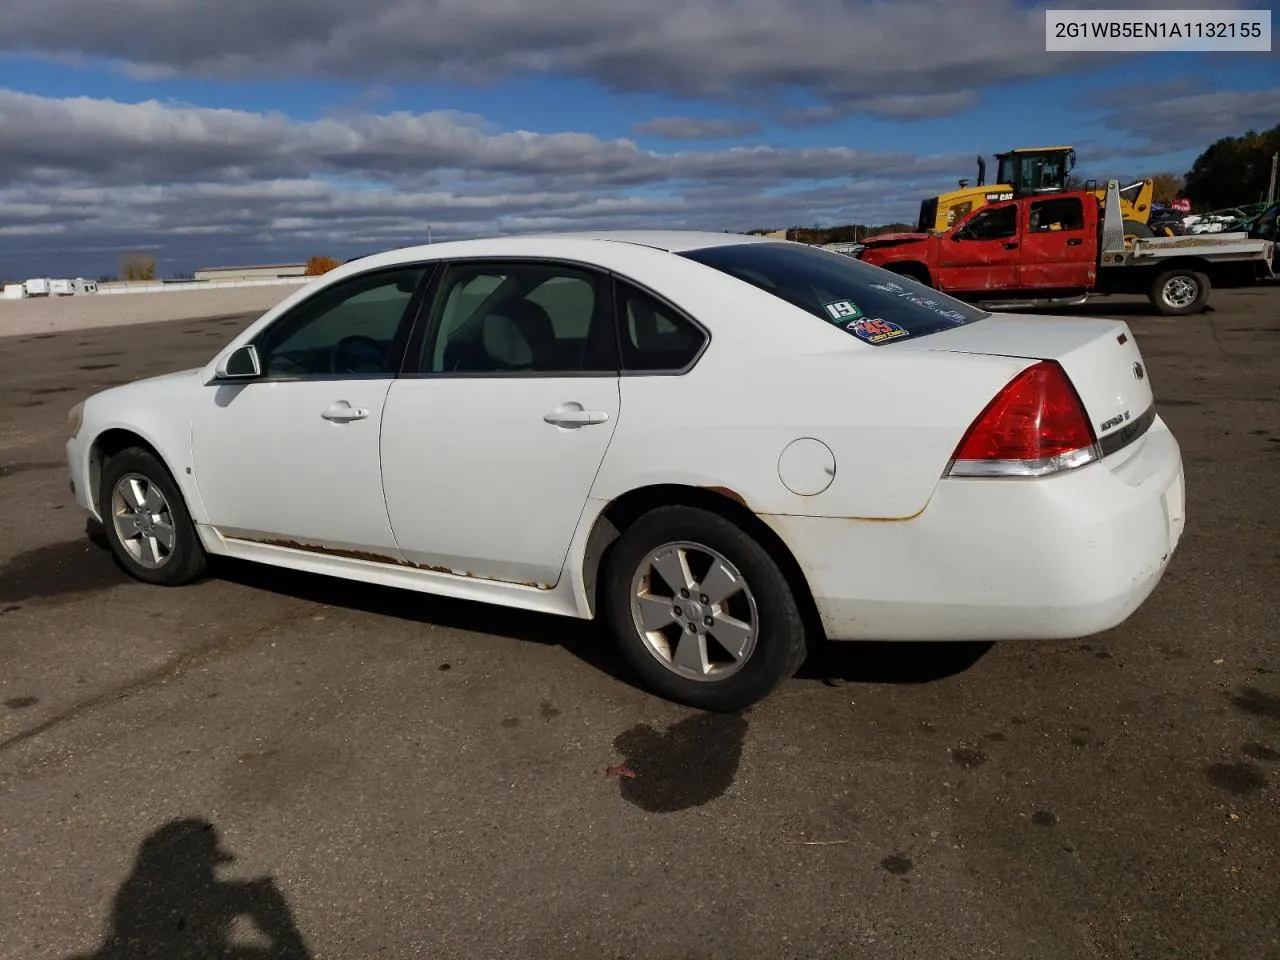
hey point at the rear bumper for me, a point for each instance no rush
(1064, 557)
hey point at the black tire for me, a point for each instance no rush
(1160, 291)
(187, 561)
(1136, 228)
(781, 639)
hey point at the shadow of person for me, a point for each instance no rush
(173, 906)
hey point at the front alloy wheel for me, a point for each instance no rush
(146, 520)
(143, 521)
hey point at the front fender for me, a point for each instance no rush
(159, 413)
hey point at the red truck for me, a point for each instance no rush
(1062, 247)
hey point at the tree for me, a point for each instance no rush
(318, 266)
(138, 266)
(1166, 187)
(1233, 170)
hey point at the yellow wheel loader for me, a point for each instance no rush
(1030, 170)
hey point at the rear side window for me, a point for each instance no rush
(1060, 213)
(868, 303)
(654, 338)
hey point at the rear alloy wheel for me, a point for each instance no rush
(146, 521)
(1179, 292)
(701, 611)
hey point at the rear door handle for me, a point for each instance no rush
(342, 412)
(573, 415)
(1075, 242)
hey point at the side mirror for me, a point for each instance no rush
(240, 364)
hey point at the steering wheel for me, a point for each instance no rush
(368, 357)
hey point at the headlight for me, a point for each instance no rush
(75, 418)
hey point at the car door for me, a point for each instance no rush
(291, 456)
(982, 254)
(1056, 252)
(493, 436)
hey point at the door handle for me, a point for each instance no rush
(1012, 245)
(343, 412)
(1074, 242)
(573, 415)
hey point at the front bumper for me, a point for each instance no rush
(1062, 557)
(79, 473)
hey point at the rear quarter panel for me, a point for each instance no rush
(773, 374)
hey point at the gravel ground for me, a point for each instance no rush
(399, 776)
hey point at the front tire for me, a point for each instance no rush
(1179, 292)
(701, 611)
(146, 521)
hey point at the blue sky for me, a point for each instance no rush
(224, 133)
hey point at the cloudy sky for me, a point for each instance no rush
(246, 131)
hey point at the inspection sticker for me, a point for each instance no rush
(843, 310)
(876, 330)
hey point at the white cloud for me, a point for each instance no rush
(695, 128)
(114, 142)
(210, 185)
(1166, 123)
(850, 53)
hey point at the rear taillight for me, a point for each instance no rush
(1035, 426)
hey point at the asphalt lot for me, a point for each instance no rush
(409, 777)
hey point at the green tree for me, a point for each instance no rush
(1233, 170)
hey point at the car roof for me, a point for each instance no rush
(667, 241)
(672, 241)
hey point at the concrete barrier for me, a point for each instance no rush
(182, 286)
(56, 314)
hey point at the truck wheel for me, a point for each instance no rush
(1179, 292)
(911, 272)
(1136, 228)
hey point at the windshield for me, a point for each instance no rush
(868, 303)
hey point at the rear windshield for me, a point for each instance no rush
(867, 302)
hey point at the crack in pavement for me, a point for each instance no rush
(170, 669)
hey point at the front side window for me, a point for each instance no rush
(521, 317)
(869, 303)
(349, 329)
(994, 223)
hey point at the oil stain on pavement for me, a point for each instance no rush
(967, 757)
(691, 764)
(897, 864)
(1253, 701)
(1237, 778)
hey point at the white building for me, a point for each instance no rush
(264, 272)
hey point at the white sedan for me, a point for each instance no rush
(726, 447)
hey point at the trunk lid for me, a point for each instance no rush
(1099, 356)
